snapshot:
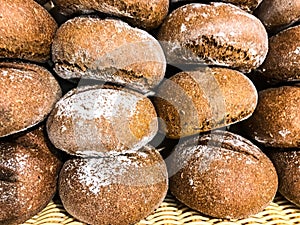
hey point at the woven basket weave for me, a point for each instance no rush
(171, 212)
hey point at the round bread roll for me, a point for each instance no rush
(146, 14)
(118, 190)
(222, 175)
(202, 100)
(102, 120)
(287, 164)
(278, 14)
(26, 30)
(109, 50)
(282, 62)
(28, 94)
(28, 177)
(248, 5)
(214, 34)
(276, 120)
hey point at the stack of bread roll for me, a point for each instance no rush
(90, 90)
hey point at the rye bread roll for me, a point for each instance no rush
(109, 50)
(282, 61)
(276, 119)
(102, 121)
(287, 164)
(26, 30)
(28, 94)
(118, 190)
(202, 100)
(278, 14)
(214, 34)
(28, 177)
(247, 5)
(222, 175)
(145, 14)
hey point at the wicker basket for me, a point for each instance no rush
(171, 212)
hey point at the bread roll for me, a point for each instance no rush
(26, 30)
(204, 99)
(282, 62)
(214, 34)
(278, 14)
(114, 190)
(222, 175)
(109, 50)
(146, 14)
(28, 177)
(287, 164)
(28, 94)
(276, 120)
(102, 121)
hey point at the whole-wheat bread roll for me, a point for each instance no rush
(28, 176)
(117, 190)
(278, 14)
(222, 175)
(101, 121)
(26, 30)
(204, 99)
(28, 94)
(109, 50)
(214, 34)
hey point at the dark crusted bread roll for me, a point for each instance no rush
(276, 119)
(28, 94)
(278, 14)
(222, 175)
(204, 99)
(26, 30)
(214, 34)
(282, 61)
(28, 177)
(102, 120)
(117, 190)
(287, 164)
(109, 50)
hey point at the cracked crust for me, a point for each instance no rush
(214, 34)
(26, 30)
(108, 50)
